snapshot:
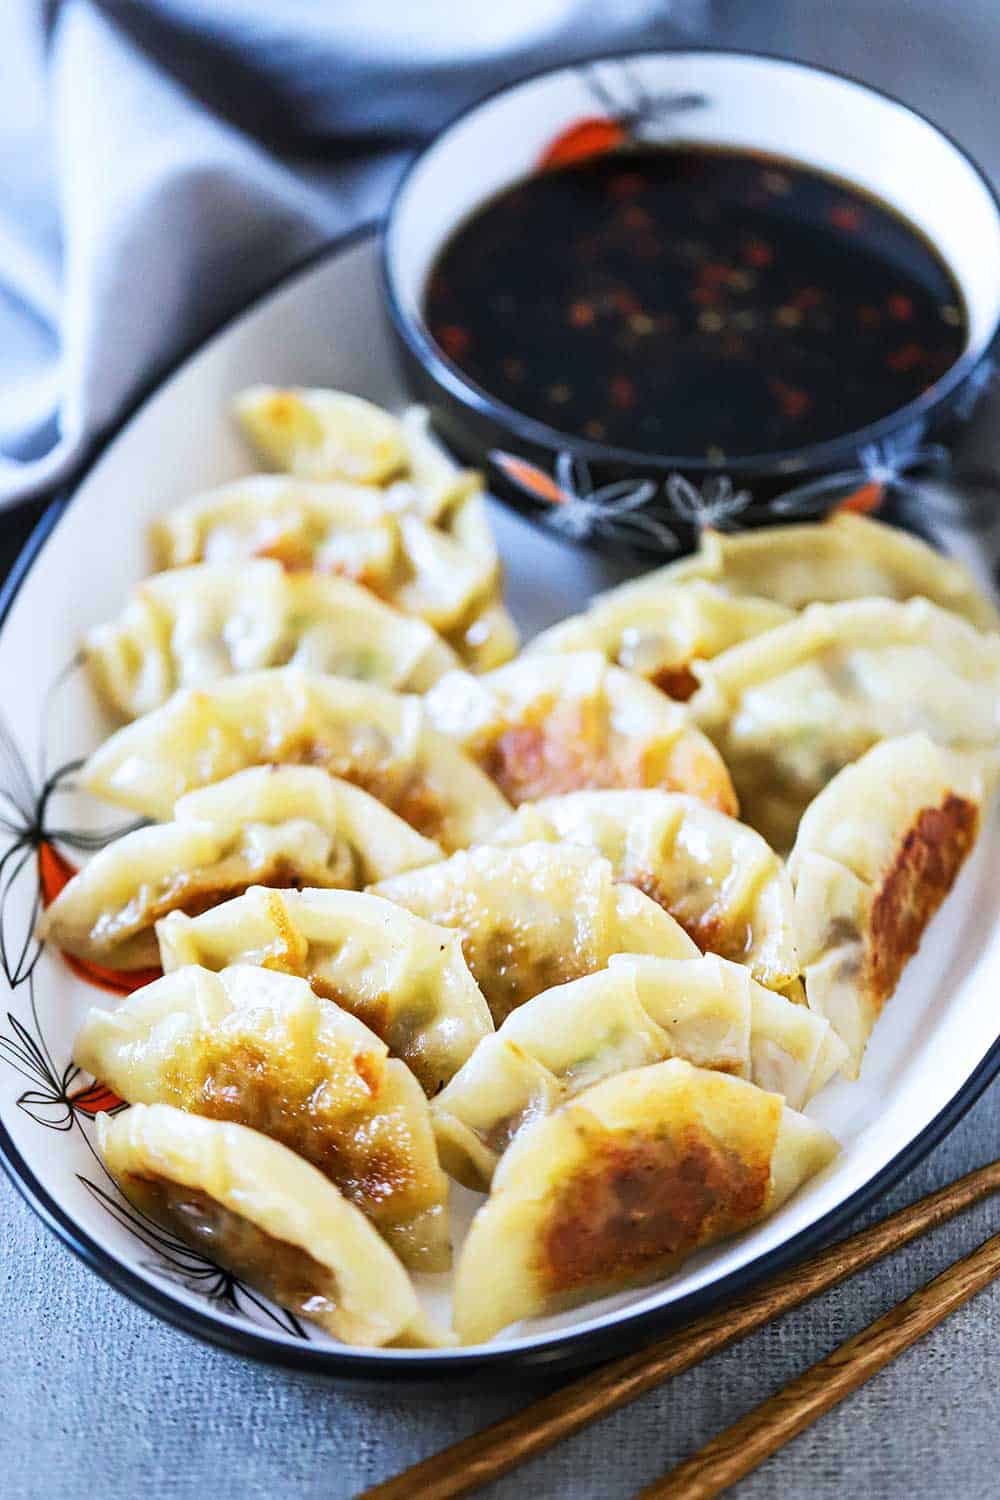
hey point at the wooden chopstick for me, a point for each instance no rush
(487, 1455)
(747, 1443)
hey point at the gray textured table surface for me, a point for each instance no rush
(95, 1393)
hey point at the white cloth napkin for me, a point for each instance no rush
(161, 160)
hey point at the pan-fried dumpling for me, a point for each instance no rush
(876, 854)
(404, 977)
(659, 633)
(634, 1012)
(261, 1049)
(449, 571)
(845, 557)
(269, 1217)
(194, 625)
(344, 529)
(379, 740)
(719, 879)
(560, 723)
(791, 707)
(622, 1184)
(360, 533)
(321, 434)
(536, 916)
(271, 825)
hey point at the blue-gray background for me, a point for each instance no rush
(94, 1393)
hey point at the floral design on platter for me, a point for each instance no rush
(179, 1262)
(59, 1096)
(53, 1102)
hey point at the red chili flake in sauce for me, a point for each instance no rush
(636, 217)
(657, 297)
(622, 392)
(846, 216)
(626, 184)
(757, 253)
(454, 340)
(624, 301)
(793, 401)
(908, 357)
(807, 297)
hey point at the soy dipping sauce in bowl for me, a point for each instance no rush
(691, 288)
(694, 300)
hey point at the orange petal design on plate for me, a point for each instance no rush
(864, 500)
(54, 872)
(95, 1099)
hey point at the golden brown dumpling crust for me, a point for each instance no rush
(719, 879)
(281, 826)
(924, 869)
(271, 1218)
(286, 1273)
(621, 1184)
(347, 1116)
(551, 724)
(637, 1011)
(535, 916)
(649, 1201)
(876, 855)
(404, 978)
(261, 1050)
(568, 750)
(375, 739)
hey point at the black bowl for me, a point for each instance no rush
(659, 503)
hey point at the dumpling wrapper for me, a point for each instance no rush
(658, 633)
(254, 1207)
(271, 825)
(379, 740)
(719, 879)
(635, 1012)
(622, 1184)
(403, 977)
(876, 854)
(549, 724)
(447, 569)
(536, 916)
(790, 708)
(449, 578)
(844, 557)
(191, 626)
(322, 434)
(262, 1050)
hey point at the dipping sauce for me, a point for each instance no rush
(693, 301)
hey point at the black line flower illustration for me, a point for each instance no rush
(181, 1263)
(52, 1100)
(58, 1095)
